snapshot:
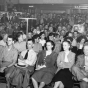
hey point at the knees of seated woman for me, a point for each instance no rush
(58, 84)
(35, 84)
(83, 84)
(7, 75)
(42, 84)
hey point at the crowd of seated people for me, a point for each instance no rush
(53, 51)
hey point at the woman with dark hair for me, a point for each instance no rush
(65, 60)
(37, 46)
(80, 43)
(42, 39)
(45, 68)
(20, 45)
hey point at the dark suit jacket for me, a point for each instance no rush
(80, 61)
(50, 61)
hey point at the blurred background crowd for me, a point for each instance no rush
(57, 26)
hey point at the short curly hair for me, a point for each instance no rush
(81, 37)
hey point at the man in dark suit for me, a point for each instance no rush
(4, 19)
(80, 69)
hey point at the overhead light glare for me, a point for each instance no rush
(31, 6)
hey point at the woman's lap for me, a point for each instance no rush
(43, 76)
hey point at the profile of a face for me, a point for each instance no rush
(82, 41)
(86, 50)
(20, 38)
(35, 31)
(5, 37)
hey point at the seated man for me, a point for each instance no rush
(8, 55)
(81, 68)
(24, 67)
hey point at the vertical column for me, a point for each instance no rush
(2, 4)
(5, 5)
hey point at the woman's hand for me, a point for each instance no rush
(2, 69)
(84, 72)
(22, 61)
(40, 66)
(61, 65)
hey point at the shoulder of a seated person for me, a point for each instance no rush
(14, 49)
(24, 51)
(80, 56)
(72, 53)
(42, 52)
(32, 50)
(61, 52)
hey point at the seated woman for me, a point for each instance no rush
(45, 68)
(20, 45)
(80, 43)
(37, 46)
(65, 60)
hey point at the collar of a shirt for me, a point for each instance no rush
(30, 50)
(86, 57)
(12, 48)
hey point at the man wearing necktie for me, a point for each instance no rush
(24, 67)
(80, 69)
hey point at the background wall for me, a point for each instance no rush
(13, 1)
(53, 1)
(40, 1)
(76, 1)
(2, 2)
(46, 1)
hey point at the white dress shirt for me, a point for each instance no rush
(66, 58)
(86, 63)
(32, 57)
(42, 42)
